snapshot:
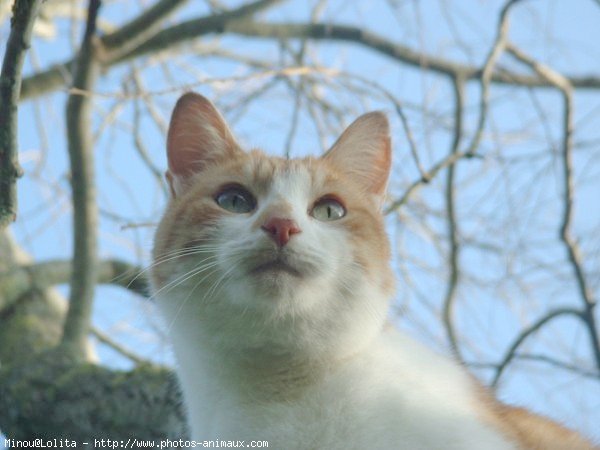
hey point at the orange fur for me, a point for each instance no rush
(196, 208)
(203, 157)
(528, 430)
(534, 432)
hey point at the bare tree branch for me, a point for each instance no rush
(483, 231)
(450, 297)
(487, 72)
(429, 175)
(486, 76)
(300, 88)
(85, 208)
(525, 333)
(295, 118)
(24, 14)
(138, 141)
(393, 50)
(139, 29)
(17, 282)
(107, 340)
(398, 107)
(569, 367)
(185, 31)
(58, 74)
(459, 77)
(447, 161)
(573, 250)
(560, 364)
(231, 22)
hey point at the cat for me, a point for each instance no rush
(273, 277)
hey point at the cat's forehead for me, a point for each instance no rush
(273, 175)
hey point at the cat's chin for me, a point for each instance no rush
(275, 268)
(276, 279)
(282, 265)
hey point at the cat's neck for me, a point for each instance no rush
(254, 339)
(235, 353)
(258, 374)
(267, 349)
(266, 375)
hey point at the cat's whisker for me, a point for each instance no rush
(310, 343)
(183, 303)
(183, 252)
(169, 256)
(186, 276)
(192, 248)
(212, 290)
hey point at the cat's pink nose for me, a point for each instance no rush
(280, 229)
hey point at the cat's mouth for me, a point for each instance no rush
(275, 266)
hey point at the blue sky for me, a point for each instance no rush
(508, 200)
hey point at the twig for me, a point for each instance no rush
(458, 84)
(299, 58)
(487, 72)
(57, 75)
(450, 297)
(560, 364)
(138, 142)
(409, 137)
(573, 250)
(228, 22)
(429, 175)
(291, 71)
(24, 14)
(297, 90)
(447, 161)
(295, 119)
(139, 29)
(334, 32)
(155, 115)
(540, 358)
(85, 209)
(398, 107)
(459, 78)
(510, 354)
(214, 23)
(105, 339)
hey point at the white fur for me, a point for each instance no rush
(306, 363)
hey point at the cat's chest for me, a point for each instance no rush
(365, 405)
(323, 417)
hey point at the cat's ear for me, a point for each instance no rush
(198, 135)
(363, 152)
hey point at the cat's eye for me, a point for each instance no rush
(235, 199)
(327, 209)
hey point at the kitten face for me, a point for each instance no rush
(280, 242)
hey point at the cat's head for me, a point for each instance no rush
(260, 250)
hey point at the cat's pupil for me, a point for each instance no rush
(236, 199)
(328, 209)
